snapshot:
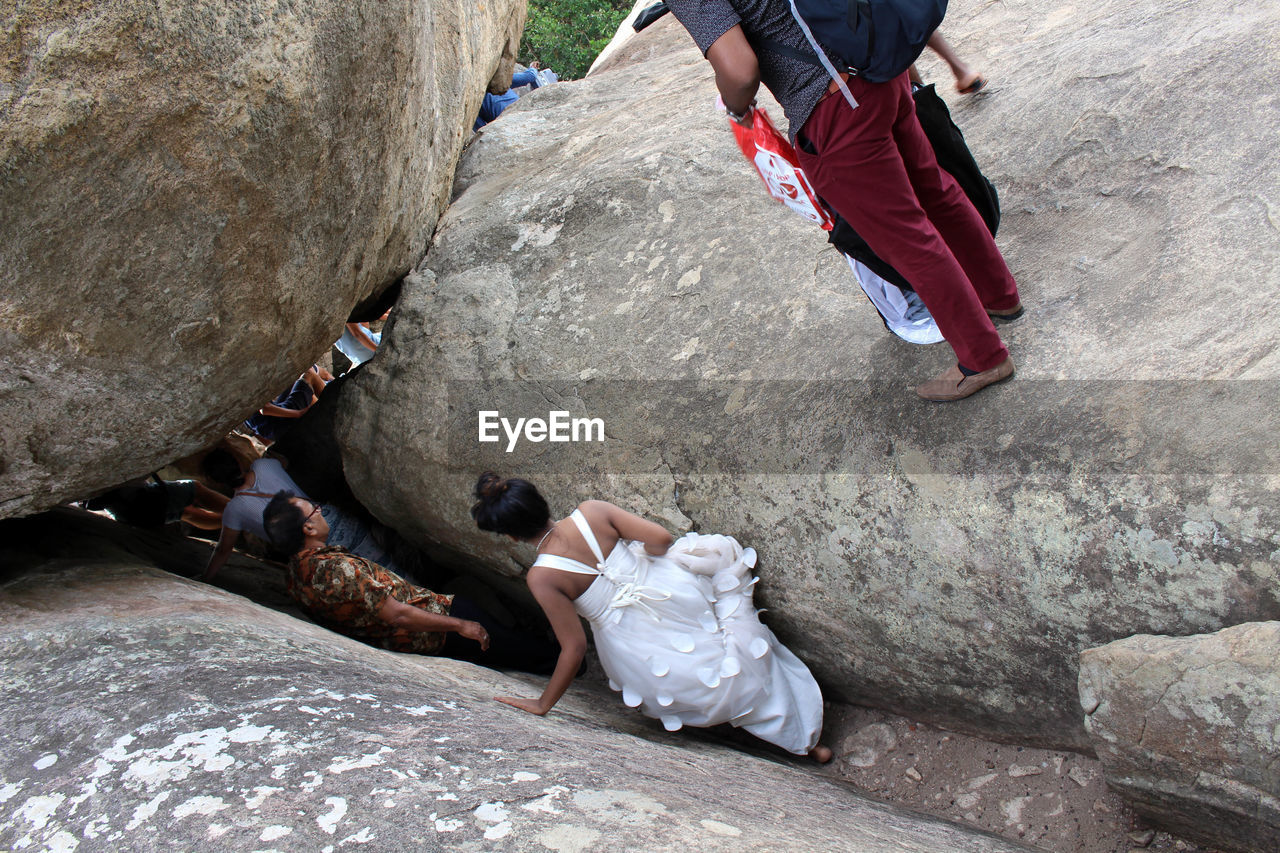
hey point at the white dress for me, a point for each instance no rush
(679, 636)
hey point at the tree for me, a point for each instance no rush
(567, 35)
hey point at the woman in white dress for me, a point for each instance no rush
(674, 622)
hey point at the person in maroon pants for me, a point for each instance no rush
(873, 164)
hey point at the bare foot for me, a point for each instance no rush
(970, 83)
(820, 754)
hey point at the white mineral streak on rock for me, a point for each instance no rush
(609, 801)
(118, 751)
(537, 235)
(38, 810)
(448, 825)
(61, 842)
(342, 765)
(260, 794)
(200, 805)
(492, 812)
(978, 781)
(96, 827)
(45, 761)
(1013, 809)
(143, 813)
(271, 833)
(418, 711)
(9, 791)
(1019, 770)
(569, 838)
(313, 782)
(364, 836)
(337, 810)
(498, 830)
(1080, 777)
(524, 776)
(249, 734)
(447, 796)
(718, 828)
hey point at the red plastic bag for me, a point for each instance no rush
(775, 160)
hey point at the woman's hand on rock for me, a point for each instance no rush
(533, 706)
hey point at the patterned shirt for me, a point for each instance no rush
(797, 85)
(344, 592)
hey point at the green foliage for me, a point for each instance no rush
(567, 35)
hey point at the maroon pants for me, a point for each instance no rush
(875, 166)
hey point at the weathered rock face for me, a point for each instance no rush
(193, 197)
(610, 255)
(1186, 728)
(142, 711)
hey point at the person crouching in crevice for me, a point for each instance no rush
(362, 600)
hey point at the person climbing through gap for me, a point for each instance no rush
(360, 599)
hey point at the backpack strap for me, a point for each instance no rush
(822, 56)
(585, 529)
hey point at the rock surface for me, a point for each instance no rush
(1187, 728)
(610, 255)
(141, 711)
(193, 198)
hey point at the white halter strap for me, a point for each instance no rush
(585, 529)
(564, 564)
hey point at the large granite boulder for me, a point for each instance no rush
(141, 711)
(610, 255)
(1187, 729)
(193, 196)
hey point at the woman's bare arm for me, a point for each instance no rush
(569, 633)
(655, 537)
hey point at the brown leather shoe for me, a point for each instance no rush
(954, 385)
(1006, 316)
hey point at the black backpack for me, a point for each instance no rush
(875, 39)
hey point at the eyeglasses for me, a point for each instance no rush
(314, 509)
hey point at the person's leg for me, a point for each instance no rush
(508, 648)
(955, 218)
(968, 81)
(855, 165)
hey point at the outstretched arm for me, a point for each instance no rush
(400, 615)
(573, 645)
(737, 71)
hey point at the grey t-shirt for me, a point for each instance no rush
(797, 85)
(244, 512)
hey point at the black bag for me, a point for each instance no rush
(876, 39)
(649, 14)
(954, 157)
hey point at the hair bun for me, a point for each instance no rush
(490, 486)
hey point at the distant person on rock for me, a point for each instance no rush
(358, 342)
(155, 504)
(254, 484)
(493, 105)
(968, 81)
(272, 420)
(874, 166)
(362, 600)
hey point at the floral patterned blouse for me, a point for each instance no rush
(344, 592)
